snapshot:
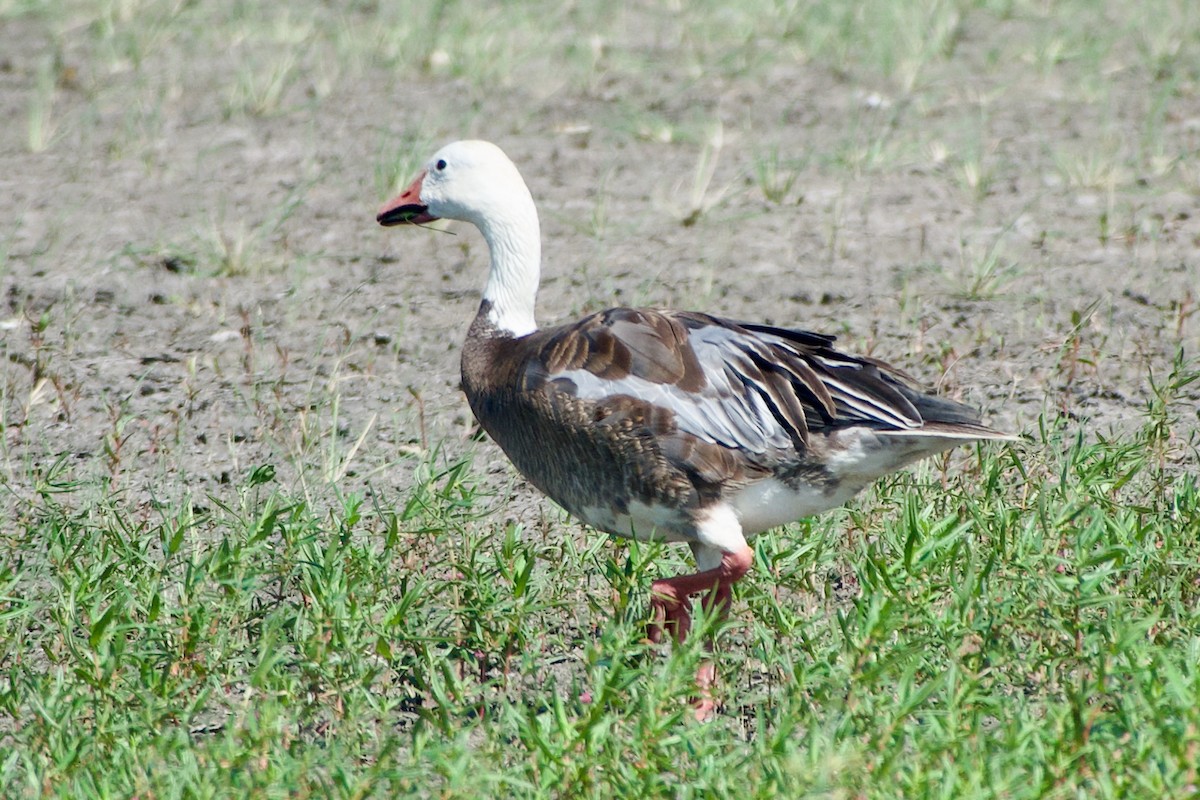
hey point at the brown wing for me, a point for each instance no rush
(751, 387)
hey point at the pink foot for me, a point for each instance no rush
(705, 706)
(670, 609)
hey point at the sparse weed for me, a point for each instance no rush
(1100, 168)
(240, 247)
(41, 125)
(232, 249)
(260, 90)
(699, 198)
(775, 177)
(984, 274)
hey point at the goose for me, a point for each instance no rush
(666, 425)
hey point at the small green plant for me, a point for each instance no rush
(42, 126)
(260, 90)
(775, 177)
(699, 198)
(984, 275)
(240, 247)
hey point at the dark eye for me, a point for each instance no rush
(440, 165)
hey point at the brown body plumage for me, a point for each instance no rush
(596, 454)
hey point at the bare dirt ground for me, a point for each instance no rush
(192, 282)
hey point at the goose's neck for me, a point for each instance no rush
(515, 244)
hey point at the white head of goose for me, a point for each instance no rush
(668, 425)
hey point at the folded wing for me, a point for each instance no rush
(753, 388)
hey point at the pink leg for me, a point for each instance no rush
(671, 608)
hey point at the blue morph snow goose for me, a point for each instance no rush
(668, 425)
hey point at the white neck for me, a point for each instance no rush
(515, 243)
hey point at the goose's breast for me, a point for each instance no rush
(613, 477)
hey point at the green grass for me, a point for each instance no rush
(1023, 624)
